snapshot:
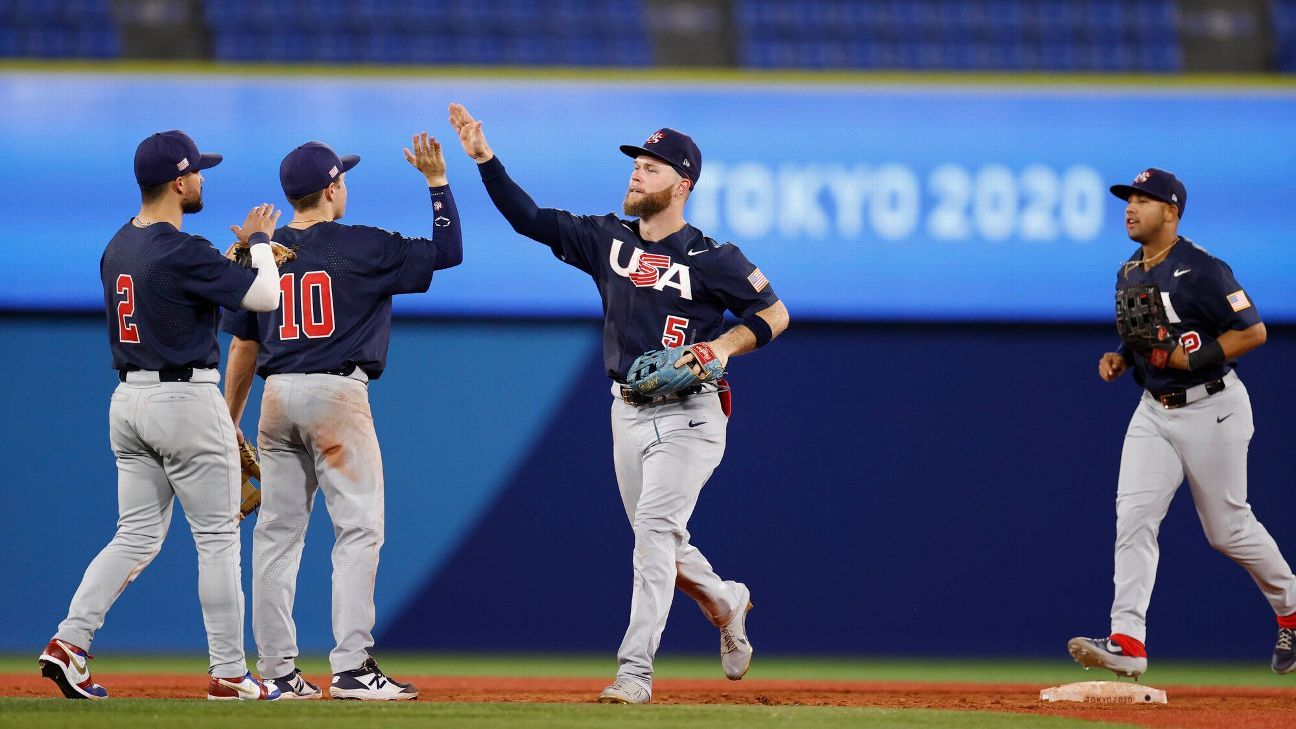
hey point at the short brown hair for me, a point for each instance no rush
(306, 202)
(153, 193)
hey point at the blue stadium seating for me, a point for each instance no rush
(1009, 35)
(58, 29)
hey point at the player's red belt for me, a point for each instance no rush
(633, 398)
(1179, 398)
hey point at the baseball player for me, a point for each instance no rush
(170, 435)
(663, 284)
(1193, 421)
(317, 354)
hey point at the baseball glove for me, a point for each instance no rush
(1142, 323)
(654, 373)
(241, 253)
(251, 470)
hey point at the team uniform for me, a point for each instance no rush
(1188, 424)
(170, 433)
(658, 294)
(317, 354)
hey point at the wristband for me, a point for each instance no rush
(1208, 355)
(257, 237)
(760, 328)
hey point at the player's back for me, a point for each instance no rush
(161, 290)
(335, 309)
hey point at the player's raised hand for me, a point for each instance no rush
(470, 134)
(1111, 366)
(262, 219)
(427, 158)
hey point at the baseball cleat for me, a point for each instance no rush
(69, 667)
(1105, 653)
(369, 683)
(735, 649)
(1284, 656)
(293, 686)
(244, 688)
(625, 691)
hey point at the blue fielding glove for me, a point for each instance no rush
(654, 374)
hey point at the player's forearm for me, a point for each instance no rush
(240, 367)
(742, 339)
(1236, 343)
(517, 207)
(264, 293)
(446, 232)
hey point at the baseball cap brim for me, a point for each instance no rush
(207, 161)
(349, 161)
(1124, 191)
(632, 151)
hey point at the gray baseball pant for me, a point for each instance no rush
(663, 455)
(316, 431)
(1205, 441)
(172, 440)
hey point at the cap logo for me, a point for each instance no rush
(1174, 198)
(656, 137)
(333, 172)
(1144, 177)
(182, 164)
(686, 162)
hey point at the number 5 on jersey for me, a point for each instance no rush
(314, 299)
(673, 334)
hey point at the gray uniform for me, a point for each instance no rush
(663, 455)
(172, 440)
(317, 432)
(1193, 425)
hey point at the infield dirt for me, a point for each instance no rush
(1193, 707)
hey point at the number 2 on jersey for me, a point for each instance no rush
(673, 334)
(316, 305)
(126, 333)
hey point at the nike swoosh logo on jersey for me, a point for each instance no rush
(694, 253)
(245, 688)
(694, 424)
(1226, 417)
(1179, 273)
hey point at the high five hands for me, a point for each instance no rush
(470, 134)
(427, 158)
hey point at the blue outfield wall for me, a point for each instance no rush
(888, 489)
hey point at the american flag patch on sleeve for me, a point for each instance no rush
(1238, 300)
(759, 282)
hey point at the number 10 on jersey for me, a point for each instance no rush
(313, 299)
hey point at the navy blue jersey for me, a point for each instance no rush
(655, 294)
(1202, 299)
(659, 294)
(335, 298)
(161, 291)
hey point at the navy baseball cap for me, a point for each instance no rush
(168, 155)
(674, 148)
(1157, 184)
(311, 168)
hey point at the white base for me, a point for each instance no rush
(1105, 692)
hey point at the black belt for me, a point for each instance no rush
(184, 374)
(346, 371)
(634, 398)
(1179, 398)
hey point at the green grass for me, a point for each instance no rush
(52, 714)
(1218, 81)
(1042, 673)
